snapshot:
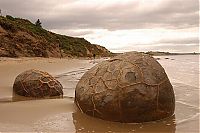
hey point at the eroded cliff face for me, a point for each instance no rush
(22, 44)
(21, 38)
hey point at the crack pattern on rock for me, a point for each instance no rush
(117, 84)
(31, 82)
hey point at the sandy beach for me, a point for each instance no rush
(61, 115)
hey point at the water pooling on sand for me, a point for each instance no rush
(62, 115)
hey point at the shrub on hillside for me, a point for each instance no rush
(8, 26)
(10, 17)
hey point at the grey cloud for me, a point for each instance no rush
(169, 14)
(194, 40)
(176, 48)
(74, 32)
(169, 42)
(31, 9)
(79, 33)
(172, 45)
(164, 48)
(119, 17)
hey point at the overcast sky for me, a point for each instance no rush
(119, 25)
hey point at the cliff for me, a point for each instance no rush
(21, 38)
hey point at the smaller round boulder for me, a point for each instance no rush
(35, 83)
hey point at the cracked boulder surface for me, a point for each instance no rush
(38, 84)
(131, 87)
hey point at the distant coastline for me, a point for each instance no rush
(158, 53)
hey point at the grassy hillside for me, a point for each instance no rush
(21, 38)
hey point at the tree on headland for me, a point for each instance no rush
(38, 23)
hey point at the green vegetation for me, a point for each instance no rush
(70, 46)
(10, 18)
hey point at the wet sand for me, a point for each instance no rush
(61, 115)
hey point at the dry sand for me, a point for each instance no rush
(61, 115)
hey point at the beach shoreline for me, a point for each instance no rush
(61, 115)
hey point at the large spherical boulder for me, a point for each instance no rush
(131, 87)
(35, 83)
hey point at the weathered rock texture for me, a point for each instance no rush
(38, 84)
(131, 87)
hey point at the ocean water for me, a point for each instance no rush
(183, 72)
